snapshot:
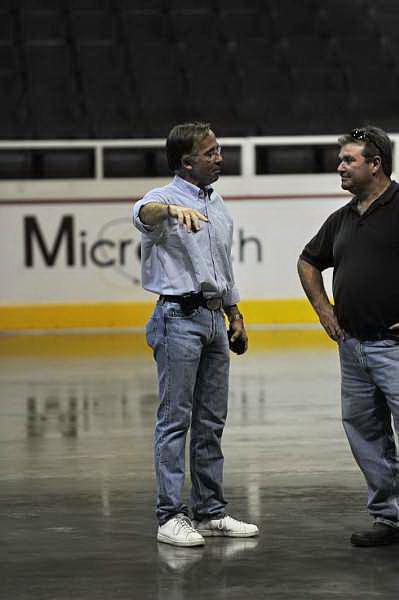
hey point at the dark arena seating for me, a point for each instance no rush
(101, 69)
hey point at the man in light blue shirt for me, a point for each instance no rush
(187, 237)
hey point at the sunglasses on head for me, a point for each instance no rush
(362, 135)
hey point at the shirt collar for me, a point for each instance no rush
(192, 189)
(383, 199)
(389, 193)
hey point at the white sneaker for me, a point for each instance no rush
(227, 526)
(179, 531)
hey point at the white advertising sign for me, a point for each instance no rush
(88, 251)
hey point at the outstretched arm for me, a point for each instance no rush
(312, 283)
(154, 213)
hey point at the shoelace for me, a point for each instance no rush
(183, 523)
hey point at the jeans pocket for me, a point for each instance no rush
(151, 331)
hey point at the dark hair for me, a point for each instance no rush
(376, 142)
(183, 141)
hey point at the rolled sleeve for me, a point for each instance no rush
(149, 198)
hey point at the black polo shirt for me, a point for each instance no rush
(364, 252)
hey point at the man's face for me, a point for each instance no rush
(206, 164)
(356, 174)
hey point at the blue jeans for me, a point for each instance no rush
(192, 356)
(370, 398)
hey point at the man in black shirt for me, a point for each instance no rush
(361, 242)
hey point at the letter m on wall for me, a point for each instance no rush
(33, 236)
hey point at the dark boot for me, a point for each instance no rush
(378, 535)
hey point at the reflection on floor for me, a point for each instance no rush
(76, 420)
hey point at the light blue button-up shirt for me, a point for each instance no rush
(175, 262)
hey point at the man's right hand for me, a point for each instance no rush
(330, 323)
(187, 217)
(312, 283)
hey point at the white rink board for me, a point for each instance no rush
(102, 245)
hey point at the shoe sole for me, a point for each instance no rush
(226, 534)
(366, 544)
(167, 540)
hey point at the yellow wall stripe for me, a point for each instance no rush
(59, 346)
(136, 314)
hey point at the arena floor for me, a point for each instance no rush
(76, 478)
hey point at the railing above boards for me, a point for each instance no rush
(118, 159)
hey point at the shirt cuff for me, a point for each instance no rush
(138, 222)
(314, 262)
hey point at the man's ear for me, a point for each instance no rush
(377, 163)
(187, 163)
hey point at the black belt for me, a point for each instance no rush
(189, 302)
(373, 336)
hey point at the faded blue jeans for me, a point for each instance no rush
(192, 356)
(370, 398)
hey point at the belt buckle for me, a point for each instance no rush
(214, 303)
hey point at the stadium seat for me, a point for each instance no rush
(214, 95)
(42, 27)
(11, 90)
(14, 113)
(322, 112)
(96, 61)
(34, 4)
(167, 88)
(144, 26)
(58, 113)
(43, 60)
(307, 50)
(88, 4)
(141, 5)
(92, 27)
(242, 5)
(354, 48)
(294, 18)
(9, 60)
(387, 21)
(114, 125)
(245, 25)
(341, 18)
(190, 26)
(12, 128)
(249, 57)
(319, 79)
(369, 79)
(191, 5)
(6, 28)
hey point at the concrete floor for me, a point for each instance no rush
(76, 478)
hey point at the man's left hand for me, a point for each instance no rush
(238, 339)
